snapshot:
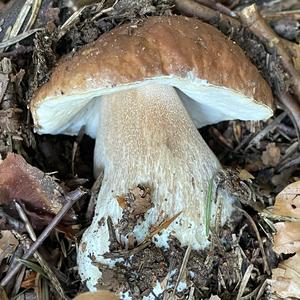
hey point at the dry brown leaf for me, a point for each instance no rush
(40, 194)
(122, 202)
(29, 280)
(287, 202)
(141, 201)
(285, 282)
(7, 239)
(245, 175)
(271, 156)
(100, 295)
(287, 238)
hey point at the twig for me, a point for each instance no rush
(262, 289)
(293, 107)
(289, 164)
(254, 292)
(251, 18)
(182, 268)
(71, 198)
(34, 13)
(217, 6)
(191, 294)
(75, 147)
(291, 14)
(18, 51)
(289, 132)
(261, 134)
(289, 152)
(21, 18)
(18, 38)
(72, 20)
(261, 246)
(53, 279)
(94, 194)
(17, 253)
(8, 222)
(193, 9)
(104, 11)
(244, 282)
(268, 213)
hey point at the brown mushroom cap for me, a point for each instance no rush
(176, 50)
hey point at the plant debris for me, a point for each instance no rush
(41, 195)
(135, 204)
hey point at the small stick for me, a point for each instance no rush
(261, 246)
(94, 194)
(292, 106)
(251, 18)
(182, 268)
(34, 13)
(21, 19)
(217, 6)
(8, 222)
(53, 279)
(18, 38)
(244, 282)
(291, 14)
(72, 197)
(261, 134)
(191, 8)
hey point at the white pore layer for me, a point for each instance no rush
(145, 136)
(205, 103)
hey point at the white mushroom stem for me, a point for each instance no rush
(145, 136)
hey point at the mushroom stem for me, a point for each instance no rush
(146, 137)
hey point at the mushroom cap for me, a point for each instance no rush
(214, 78)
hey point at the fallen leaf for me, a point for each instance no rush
(287, 237)
(122, 202)
(285, 282)
(7, 239)
(245, 175)
(29, 280)
(40, 194)
(134, 204)
(287, 202)
(271, 156)
(100, 295)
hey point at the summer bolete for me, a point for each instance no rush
(142, 90)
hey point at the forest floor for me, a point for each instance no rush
(264, 155)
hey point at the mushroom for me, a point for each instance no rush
(142, 90)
